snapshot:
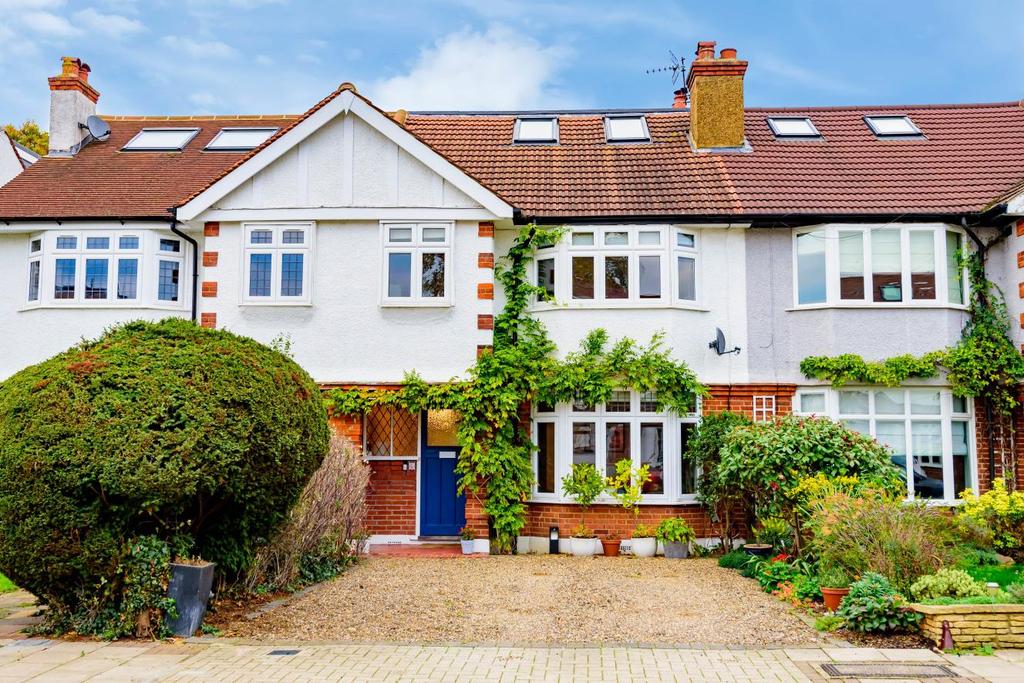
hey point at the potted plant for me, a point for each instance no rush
(583, 484)
(468, 537)
(627, 486)
(676, 535)
(835, 584)
(766, 538)
(610, 544)
(775, 532)
(189, 587)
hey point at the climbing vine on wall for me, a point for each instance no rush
(496, 459)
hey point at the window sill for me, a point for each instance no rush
(879, 306)
(649, 499)
(391, 458)
(102, 306)
(416, 304)
(275, 304)
(629, 305)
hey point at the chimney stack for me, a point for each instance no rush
(715, 86)
(72, 101)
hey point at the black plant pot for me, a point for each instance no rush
(190, 587)
(759, 549)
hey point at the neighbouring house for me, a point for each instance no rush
(14, 158)
(369, 238)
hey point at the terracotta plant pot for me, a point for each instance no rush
(611, 546)
(833, 596)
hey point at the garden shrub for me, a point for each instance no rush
(734, 559)
(947, 583)
(324, 528)
(896, 539)
(778, 570)
(155, 433)
(873, 605)
(806, 587)
(774, 531)
(1000, 510)
(1000, 598)
(720, 496)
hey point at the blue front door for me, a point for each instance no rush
(442, 509)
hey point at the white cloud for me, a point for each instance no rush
(49, 24)
(113, 25)
(195, 49)
(497, 69)
(22, 5)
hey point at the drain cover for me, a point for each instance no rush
(886, 670)
(281, 653)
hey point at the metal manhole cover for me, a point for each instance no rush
(281, 653)
(886, 670)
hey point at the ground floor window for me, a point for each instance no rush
(627, 427)
(390, 431)
(928, 430)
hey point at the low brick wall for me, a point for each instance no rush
(973, 625)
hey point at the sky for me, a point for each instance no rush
(282, 56)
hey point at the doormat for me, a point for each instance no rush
(886, 670)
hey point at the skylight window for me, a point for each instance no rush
(234, 139)
(626, 129)
(892, 126)
(536, 130)
(161, 139)
(793, 127)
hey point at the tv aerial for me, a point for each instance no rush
(676, 66)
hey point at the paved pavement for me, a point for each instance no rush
(225, 661)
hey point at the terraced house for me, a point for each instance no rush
(369, 239)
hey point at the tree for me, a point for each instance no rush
(30, 135)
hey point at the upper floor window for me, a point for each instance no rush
(793, 127)
(277, 262)
(238, 139)
(621, 265)
(626, 128)
(416, 263)
(105, 268)
(893, 126)
(161, 139)
(879, 265)
(536, 130)
(927, 430)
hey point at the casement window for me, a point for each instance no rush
(390, 432)
(916, 265)
(105, 268)
(928, 430)
(621, 266)
(629, 426)
(277, 263)
(417, 264)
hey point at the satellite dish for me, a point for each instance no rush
(718, 344)
(98, 128)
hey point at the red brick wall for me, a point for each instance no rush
(611, 519)
(739, 398)
(981, 446)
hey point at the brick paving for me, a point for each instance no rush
(226, 661)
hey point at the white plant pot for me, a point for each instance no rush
(482, 546)
(644, 547)
(582, 547)
(467, 546)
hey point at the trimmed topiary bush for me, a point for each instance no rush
(156, 435)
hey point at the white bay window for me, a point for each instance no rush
(277, 263)
(843, 265)
(629, 426)
(928, 431)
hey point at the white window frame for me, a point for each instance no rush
(215, 144)
(667, 250)
(812, 134)
(764, 408)
(186, 139)
(517, 140)
(276, 248)
(418, 416)
(946, 416)
(914, 132)
(644, 137)
(147, 254)
(564, 415)
(832, 267)
(417, 248)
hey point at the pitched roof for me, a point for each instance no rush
(970, 156)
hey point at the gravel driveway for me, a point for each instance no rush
(538, 599)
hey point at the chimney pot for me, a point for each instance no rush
(706, 49)
(680, 100)
(728, 53)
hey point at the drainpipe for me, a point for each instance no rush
(195, 262)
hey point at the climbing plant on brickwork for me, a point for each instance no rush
(495, 462)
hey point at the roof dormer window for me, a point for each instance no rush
(796, 127)
(160, 140)
(893, 127)
(239, 139)
(538, 130)
(626, 129)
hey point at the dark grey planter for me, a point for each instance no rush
(759, 549)
(190, 587)
(677, 550)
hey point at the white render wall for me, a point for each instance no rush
(10, 164)
(345, 335)
(722, 287)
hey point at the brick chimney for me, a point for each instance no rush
(679, 101)
(72, 101)
(715, 87)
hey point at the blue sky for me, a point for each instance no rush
(281, 56)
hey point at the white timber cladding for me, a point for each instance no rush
(345, 155)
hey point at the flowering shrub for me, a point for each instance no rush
(874, 605)
(1000, 510)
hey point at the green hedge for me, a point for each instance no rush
(198, 438)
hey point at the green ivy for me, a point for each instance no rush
(495, 462)
(985, 362)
